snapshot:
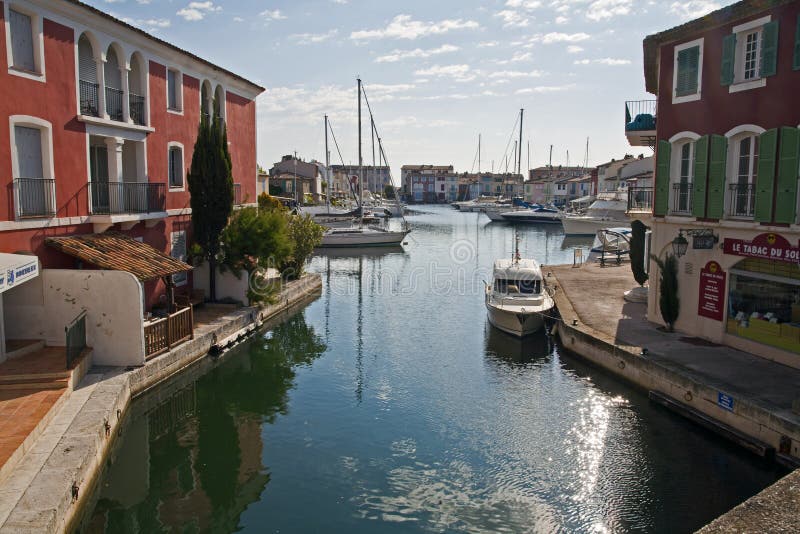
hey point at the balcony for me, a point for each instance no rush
(741, 201)
(114, 198)
(114, 98)
(136, 107)
(238, 199)
(35, 197)
(640, 200)
(681, 198)
(640, 122)
(90, 100)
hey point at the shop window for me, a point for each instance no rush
(688, 72)
(764, 303)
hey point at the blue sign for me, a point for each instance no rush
(725, 401)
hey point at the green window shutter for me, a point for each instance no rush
(769, 49)
(688, 67)
(796, 62)
(718, 155)
(788, 165)
(765, 180)
(663, 155)
(728, 56)
(700, 177)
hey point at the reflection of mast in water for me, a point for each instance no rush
(360, 335)
(328, 299)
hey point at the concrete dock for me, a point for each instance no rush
(49, 486)
(739, 395)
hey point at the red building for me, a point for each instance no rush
(725, 201)
(102, 119)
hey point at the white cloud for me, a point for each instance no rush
(693, 9)
(488, 44)
(513, 19)
(574, 49)
(516, 58)
(404, 27)
(504, 74)
(340, 2)
(544, 89)
(606, 9)
(397, 55)
(524, 4)
(269, 15)
(559, 37)
(151, 25)
(612, 62)
(453, 71)
(311, 38)
(238, 19)
(198, 10)
(561, 20)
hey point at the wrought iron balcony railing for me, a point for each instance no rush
(742, 200)
(35, 197)
(681, 198)
(136, 107)
(114, 103)
(90, 99)
(112, 198)
(640, 199)
(640, 115)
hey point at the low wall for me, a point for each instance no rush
(228, 287)
(42, 308)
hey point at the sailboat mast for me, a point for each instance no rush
(372, 131)
(360, 159)
(519, 159)
(327, 167)
(479, 153)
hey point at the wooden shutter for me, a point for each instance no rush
(788, 166)
(765, 180)
(688, 68)
(700, 177)
(717, 158)
(728, 57)
(769, 49)
(21, 41)
(87, 66)
(663, 156)
(28, 142)
(796, 62)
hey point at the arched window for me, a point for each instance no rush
(682, 173)
(87, 78)
(137, 90)
(742, 169)
(113, 89)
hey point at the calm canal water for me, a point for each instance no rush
(390, 405)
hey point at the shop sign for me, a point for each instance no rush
(764, 246)
(712, 291)
(724, 401)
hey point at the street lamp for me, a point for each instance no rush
(679, 245)
(703, 238)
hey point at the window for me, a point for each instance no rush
(682, 188)
(175, 162)
(688, 72)
(178, 251)
(31, 165)
(174, 90)
(24, 42)
(749, 54)
(743, 174)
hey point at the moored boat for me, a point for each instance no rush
(535, 214)
(608, 211)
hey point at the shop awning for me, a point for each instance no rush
(119, 252)
(16, 269)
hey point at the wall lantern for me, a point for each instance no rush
(702, 238)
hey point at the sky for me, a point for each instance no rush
(437, 72)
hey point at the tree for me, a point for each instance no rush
(255, 240)
(668, 301)
(269, 203)
(388, 191)
(305, 234)
(211, 188)
(636, 253)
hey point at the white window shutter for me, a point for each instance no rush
(87, 66)
(21, 41)
(28, 143)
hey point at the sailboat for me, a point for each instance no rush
(360, 235)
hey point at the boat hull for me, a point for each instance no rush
(366, 239)
(588, 226)
(517, 324)
(526, 218)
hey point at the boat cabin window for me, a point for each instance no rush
(525, 287)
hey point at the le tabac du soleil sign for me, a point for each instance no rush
(765, 246)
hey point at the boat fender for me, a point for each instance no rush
(621, 364)
(688, 396)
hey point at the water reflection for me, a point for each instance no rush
(193, 461)
(514, 350)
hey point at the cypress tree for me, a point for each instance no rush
(211, 188)
(637, 251)
(668, 302)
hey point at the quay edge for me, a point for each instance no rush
(72, 450)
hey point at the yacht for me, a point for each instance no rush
(516, 300)
(607, 211)
(535, 214)
(362, 236)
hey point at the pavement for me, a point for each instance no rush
(596, 295)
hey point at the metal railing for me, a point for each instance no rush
(742, 200)
(163, 334)
(75, 333)
(640, 115)
(114, 103)
(127, 197)
(681, 198)
(640, 199)
(35, 197)
(238, 199)
(136, 109)
(90, 98)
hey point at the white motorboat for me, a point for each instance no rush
(517, 301)
(609, 210)
(366, 236)
(536, 214)
(611, 244)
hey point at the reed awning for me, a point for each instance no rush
(118, 252)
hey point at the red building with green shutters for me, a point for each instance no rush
(724, 127)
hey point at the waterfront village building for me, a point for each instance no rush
(725, 128)
(420, 183)
(376, 177)
(557, 185)
(295, 178)
(101, 123)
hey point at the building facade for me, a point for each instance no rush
(298, 179)
(725, 195)
(428, 183)
(376, 177)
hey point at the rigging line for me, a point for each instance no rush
(474, 160)
(510, 137)
(336, 144)
(378, 135)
